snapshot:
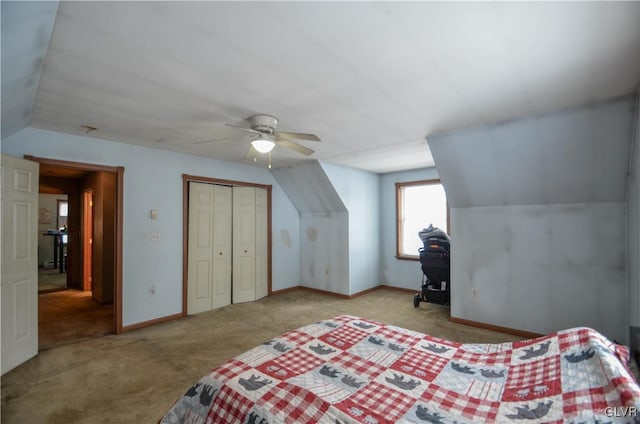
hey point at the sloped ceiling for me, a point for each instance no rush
(309, 188)
(372, 79)
(578, 155)
(26, 31)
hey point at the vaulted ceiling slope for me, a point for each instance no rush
(26, 31)
(372, 79)
(310, 189)
(578, 155)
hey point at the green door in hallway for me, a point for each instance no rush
(19, 194)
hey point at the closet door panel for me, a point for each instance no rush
(202, 281)
(228, 246)
(243, 244)
(261, 243)
(199, 294)
(221, 278)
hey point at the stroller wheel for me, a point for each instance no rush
(416, 300)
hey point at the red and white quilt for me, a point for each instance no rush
(354, 370)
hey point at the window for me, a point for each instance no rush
(418, 204)
(63, 208)
(63, 213)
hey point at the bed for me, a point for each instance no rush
(355, 370)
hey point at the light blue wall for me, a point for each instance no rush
(360, 192)
(324, 252)
(541, 268)
(324, 226)
(153, 180)
(395, 272)
(538, 217)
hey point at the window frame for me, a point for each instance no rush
(59, 215)
(399, 187)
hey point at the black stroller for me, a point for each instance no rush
(434, 259)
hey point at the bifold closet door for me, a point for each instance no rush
(249, 244)
(261, 244)
(209, 260)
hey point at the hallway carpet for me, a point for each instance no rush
(51, 279)
(70, 316)
(136, 377)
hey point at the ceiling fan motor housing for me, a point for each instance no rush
(264, 123)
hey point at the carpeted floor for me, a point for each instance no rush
(70, 316)
(51, 279)
(135, 377)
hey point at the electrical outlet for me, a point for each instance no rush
(153, 290)
(155, 236)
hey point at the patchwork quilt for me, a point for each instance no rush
(354, 370)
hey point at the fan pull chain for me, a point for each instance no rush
(269, 160)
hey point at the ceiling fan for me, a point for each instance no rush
(263, 128)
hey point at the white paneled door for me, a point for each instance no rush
(261, 244)
(250, 259)
(228, 246)
(244, 244)
(222, 209)
(19, 197)
(209, 261)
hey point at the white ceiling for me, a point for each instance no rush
(26, 31)
(372, 79)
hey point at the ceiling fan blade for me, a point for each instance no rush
(299, 136)
(292, 145)
(213, 140)
(244, 128)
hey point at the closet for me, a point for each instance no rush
(227, 245)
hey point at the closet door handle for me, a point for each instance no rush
(245, 250)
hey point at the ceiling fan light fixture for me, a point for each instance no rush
(263, 145)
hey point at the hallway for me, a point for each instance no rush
(71, 316)
(51, 280)
(79, 303)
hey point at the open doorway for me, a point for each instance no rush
(52, 242)
(87, 221)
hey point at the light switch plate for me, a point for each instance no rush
(154, 214)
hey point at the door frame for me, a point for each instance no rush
(87, 240)
(119, 173)
(186, 179)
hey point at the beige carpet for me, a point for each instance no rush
(70, 316)
(135, 377)
(51, 279)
